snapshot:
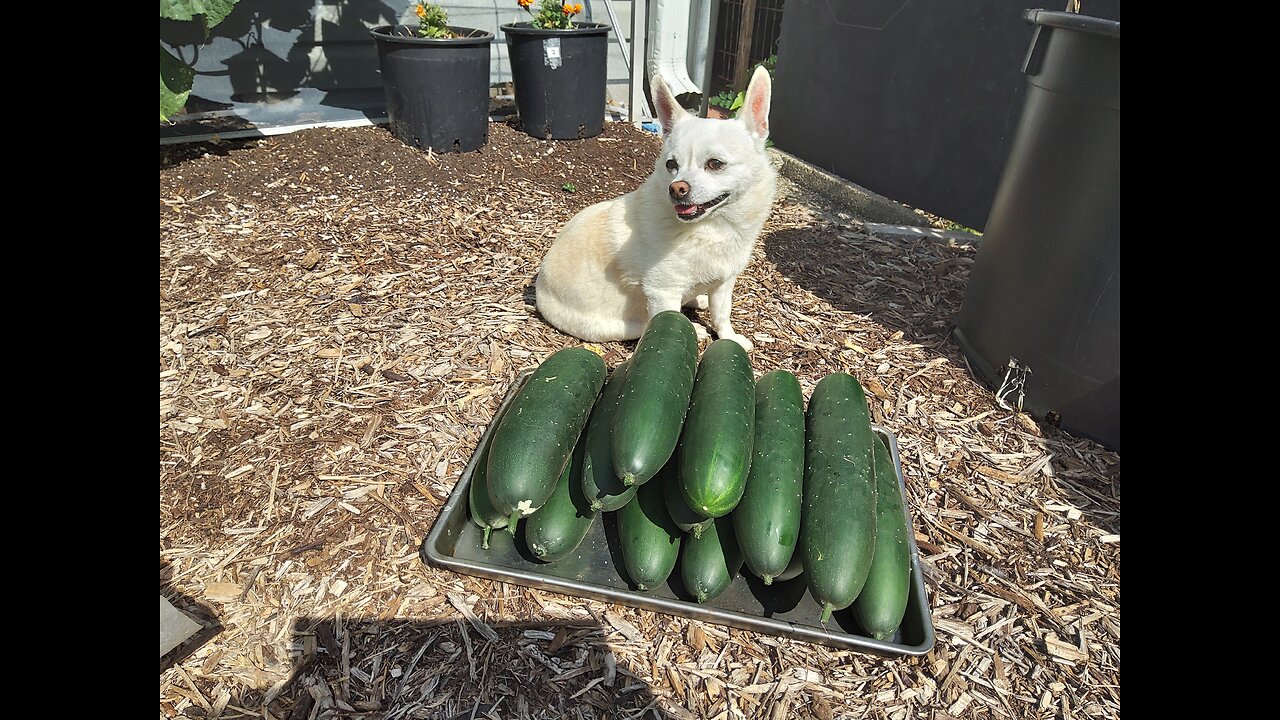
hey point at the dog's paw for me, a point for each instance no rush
(740, 339)
(700, 331)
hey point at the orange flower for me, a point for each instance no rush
(525, 3)
(422, 12)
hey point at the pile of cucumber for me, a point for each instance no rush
(706, 465)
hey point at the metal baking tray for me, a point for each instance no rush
(784, 608)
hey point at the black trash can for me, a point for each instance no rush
(1041, 318)
(437, 89)
(559, 78)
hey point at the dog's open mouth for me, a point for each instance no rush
(697, 210)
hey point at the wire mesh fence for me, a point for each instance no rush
(729, 66)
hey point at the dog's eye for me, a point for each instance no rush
(715, 164)
(672, 165)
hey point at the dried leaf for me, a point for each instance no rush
(876, 388)
(1064, 650)
(696, 638)
(557, 641)
(621, 624)
(822, 708)
(222, 591)
(1001, 475)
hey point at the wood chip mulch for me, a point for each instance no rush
(340, 315)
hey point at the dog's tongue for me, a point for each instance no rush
(686, 209)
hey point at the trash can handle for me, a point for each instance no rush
(1046, 20)
(1039, 42)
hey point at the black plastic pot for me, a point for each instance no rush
(559, 78)
(1041, 316)
(437, 90)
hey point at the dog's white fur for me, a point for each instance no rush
(620, 262)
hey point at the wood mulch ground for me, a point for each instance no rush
(340, 316)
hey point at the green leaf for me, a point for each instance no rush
(175, 83)
(212, 10)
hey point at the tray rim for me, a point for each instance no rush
(676, 607)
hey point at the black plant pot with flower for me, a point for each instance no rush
(559, 78)
(437, 89)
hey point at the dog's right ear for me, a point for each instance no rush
(669, 111)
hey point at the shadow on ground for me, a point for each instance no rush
(915, 285)
(1095, 491)
(198, 611)
(174, 155)
(444, 670)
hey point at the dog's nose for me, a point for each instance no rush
(679, 190)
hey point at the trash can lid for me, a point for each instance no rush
(1074, 21)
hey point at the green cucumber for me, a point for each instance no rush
(655, 397)
(681, 514)
(794, 570)
(719, 431)
(708, 564)
(647, 539)
(838, 517)
(535, 438)
(767, 519)
(601, 486)
(481, 508)
(882, 604)
(482, 511)
(559, 526)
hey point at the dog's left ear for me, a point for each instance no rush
(755, 106)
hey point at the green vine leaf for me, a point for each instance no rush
(175, 83)
(212, 10)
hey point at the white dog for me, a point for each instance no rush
(681, 238)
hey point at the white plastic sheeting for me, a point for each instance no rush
(669, 37)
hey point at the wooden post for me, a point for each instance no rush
(742, 61)
(637, 106)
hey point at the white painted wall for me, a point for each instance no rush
(492, 14)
